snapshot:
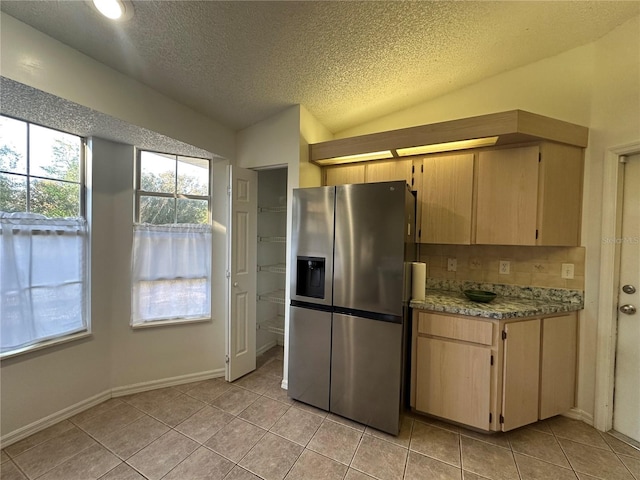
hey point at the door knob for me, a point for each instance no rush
(630, 289)
(628, 309)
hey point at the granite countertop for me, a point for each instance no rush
(511, 302)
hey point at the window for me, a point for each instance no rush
(171, 240)
(43, 235)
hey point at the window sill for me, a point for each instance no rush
(46, 344)
(165, 323)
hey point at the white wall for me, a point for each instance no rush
(41, 384)
(596, 85)
(115, 356)
(311, 131)
(615, 120)
(35, 59)
(283, 140)
(273, 141)
(149, 354)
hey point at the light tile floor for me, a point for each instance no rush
(251, 430)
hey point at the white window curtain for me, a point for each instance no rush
(42, 278)
(171, 272)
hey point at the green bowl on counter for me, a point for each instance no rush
(479, 295)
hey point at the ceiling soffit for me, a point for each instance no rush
(515, 126)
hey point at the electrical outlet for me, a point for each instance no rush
(505, 267)
(452, 265)
(475, 264)
(567, 270)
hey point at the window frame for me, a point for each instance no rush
(83, 213)
(139, 193)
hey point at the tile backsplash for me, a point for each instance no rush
(528, 266)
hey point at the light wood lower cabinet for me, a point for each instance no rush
(521, 368)
(454, 381)
(493, 374)
(557, 366)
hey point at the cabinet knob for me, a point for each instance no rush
(628, 309)
(235, 284)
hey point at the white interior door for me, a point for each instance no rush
(241, 321)
(626, 402)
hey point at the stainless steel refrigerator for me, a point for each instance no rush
(348, 326)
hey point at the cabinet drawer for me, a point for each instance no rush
(467, 330)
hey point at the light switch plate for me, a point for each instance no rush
(567, 270)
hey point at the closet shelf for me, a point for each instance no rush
(273, 325)
(276, 296)
(277, 268)
(272, 239)
(277, 209)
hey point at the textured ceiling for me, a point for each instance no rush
(346, 62)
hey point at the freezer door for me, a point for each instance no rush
(369, 253)
(366, 371)
(312, 245)
(309, 356)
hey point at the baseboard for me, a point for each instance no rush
(266, 347)
(23, 432)
(166, 382)
(578, 414)
(285, 384)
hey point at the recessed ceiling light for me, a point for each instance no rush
(114, 9)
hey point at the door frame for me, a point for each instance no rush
(609, 278)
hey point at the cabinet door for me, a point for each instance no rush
(447, 199)
(344, 174)
(388, 171)
(521, 374)
(560, 202)
(507, 196)
(453, 381)
(558, 365)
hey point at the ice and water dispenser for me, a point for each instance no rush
(310, 277)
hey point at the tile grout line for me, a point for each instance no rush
(406, 463)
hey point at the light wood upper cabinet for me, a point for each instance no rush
(388, 171)
(525, 195)
(560, 194)
(369, 172)
(446, 198)
(344, 174)
(529, 195)
(507, 196)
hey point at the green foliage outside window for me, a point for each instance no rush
(184, 184)
(55, 192)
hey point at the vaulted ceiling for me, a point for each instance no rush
(347, 62)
